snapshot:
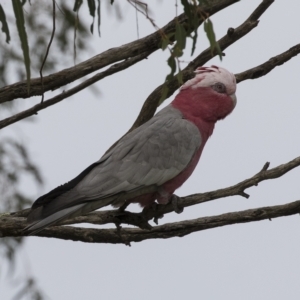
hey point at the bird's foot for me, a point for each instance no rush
(123, 206)
(155, 219)
(153, 209)
(175, 201)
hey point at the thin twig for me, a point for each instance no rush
(145, 12)
(269, 65)
(111, 70)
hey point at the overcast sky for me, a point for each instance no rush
(248, 261)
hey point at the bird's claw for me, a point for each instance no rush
(175, 200)
(123, 206)
(155, 219)
(153, 208)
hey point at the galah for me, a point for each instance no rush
(149, 163)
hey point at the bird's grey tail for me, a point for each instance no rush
(38, 225)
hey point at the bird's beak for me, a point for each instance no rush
(233, 98)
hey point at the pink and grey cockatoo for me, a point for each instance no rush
(152, 161)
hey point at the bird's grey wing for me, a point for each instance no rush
(147, 157)
(150, 155)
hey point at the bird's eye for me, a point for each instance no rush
(219, 87)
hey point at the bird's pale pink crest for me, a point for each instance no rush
(208, 76)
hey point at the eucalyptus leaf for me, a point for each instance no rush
(99, 16)
(18, 11)
(77, 5)
(164, 43)
(214, 46)
(4, 24)
(180, 36)
(92, 9)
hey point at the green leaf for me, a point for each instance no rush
(18, 10)
(77, 5)
(111, 2)
(179, 76)
(164, 43)
(208, 28)
(177, 52)
(4, 24)
(194, 38)
(203, 2)
(172, 63)
(92, 8)
(187, 8)
(99, 16)
(180, 36)
(192, 21)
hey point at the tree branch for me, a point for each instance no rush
(177, 229)
(12, 224)
(150, 105)
(65, 94)
(152, 101)
(269, 65)
(147, 44)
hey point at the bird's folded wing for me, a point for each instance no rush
(148, 156)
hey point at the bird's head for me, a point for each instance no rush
(210, 95)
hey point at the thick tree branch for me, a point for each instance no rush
(65, 94)
(253, 73)
(14, 222)
(147, 44)
(150, 105)
(151, 102)
(177, 229)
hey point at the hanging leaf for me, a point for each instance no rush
(180, 36)
(203, 2)
(4, 24)
(164, 43)
(177, 51)
(77, 5)
(214, 46)
(92, 8)
(179, 76)
(18, 11)
(193, 20)
(194, 38)
(187, 8)
(111, 2)
(99, 16)
(172, 63)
